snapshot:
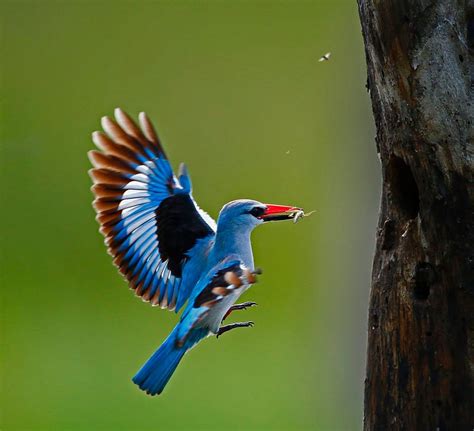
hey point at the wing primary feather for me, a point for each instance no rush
(151, 272)
(156, 281)
(133, 222)
(102, 191)
(164, 291)
(103, 206)
(103, 161)
(108, 218)
(105, 176)
(149, 131)
(118, 135)
(129, 126)
(104, 143)
(172, 304)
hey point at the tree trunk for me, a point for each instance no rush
(420, 359)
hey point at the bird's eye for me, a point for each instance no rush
(257, 211)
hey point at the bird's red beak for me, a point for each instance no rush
(279, 212)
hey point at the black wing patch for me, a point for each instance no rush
(181, 226)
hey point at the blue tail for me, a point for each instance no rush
(156, 372)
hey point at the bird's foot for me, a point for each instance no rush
(227, 328)
(242, 306)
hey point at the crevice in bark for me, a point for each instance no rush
(403, 188)
(389, 234)
(424, 277)
(470, 30)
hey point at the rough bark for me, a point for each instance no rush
(420, 359)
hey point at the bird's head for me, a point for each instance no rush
(247, 214)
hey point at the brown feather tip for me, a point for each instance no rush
(155, 298)
(105, 176)
(105, 144)
(146, 293)
(220, 291)
(164, 301)
(106, 230)
(118, 135)
(102, 191)
(108, 218)
(113, 129)
(101, 141)
(113, 163)
(147, 127)
(127, 124)
(232, 278)
(91, 156)
(102, 205)
(250, 276)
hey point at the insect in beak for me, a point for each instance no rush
(282, 212)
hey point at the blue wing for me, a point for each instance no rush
(148, 216)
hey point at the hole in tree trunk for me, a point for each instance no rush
(421, 291)
(403, 188)
(470, 30)
(424, 277)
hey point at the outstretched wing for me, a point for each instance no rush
(148, 216)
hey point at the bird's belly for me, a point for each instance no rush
(214, 318)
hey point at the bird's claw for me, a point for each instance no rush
(242, 306)
(227, 328)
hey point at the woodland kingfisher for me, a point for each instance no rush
(170, 251)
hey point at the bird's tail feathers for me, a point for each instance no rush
(157, 371)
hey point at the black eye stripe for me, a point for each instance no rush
(257, 211)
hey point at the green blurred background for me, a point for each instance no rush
(237, 92)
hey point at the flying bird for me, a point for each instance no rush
(169, 250)
(325, 57)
